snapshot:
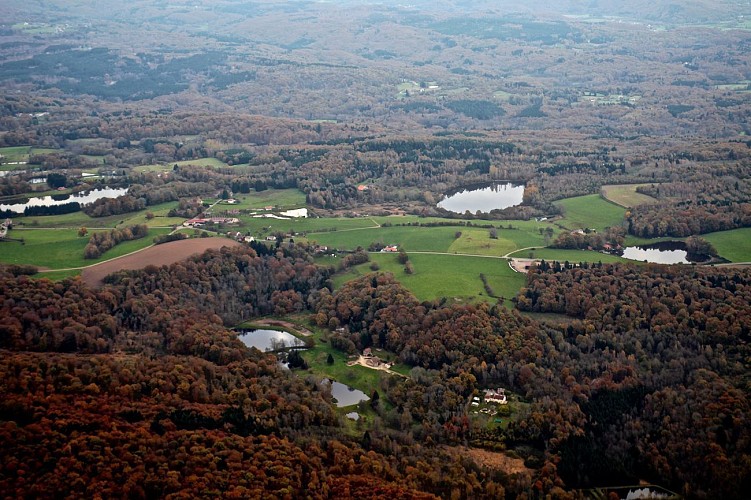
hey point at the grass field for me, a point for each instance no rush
(573, 256)
(167, 167)
(266, 226)
(734, 245)
(473, 240)
(78, 219)
(57, 275)
(15, 154)
(626, 196)
(434, 239)
(61, 248)
(277, 198)
(590, 211)
(452, 276)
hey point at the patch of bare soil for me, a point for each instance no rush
(158, 255)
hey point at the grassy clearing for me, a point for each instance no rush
(573, 256)
(502, 95)
(590, 211)
(315, 227)
(478, 241)
(57, 275)
(734, 245)
(277, 198)
(167, 167)
(97, 159)
(20, 154)
(426, 239)
(452, 276)
(473, 240)
(359, 377)
(78, 219)
(61, 248)
(160, 216)
(626, 196)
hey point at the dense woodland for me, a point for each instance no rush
(170, 401)
(646, 381)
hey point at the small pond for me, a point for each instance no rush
(344, 394)
(665, 252)
(269, 340)
(83, 198)
(484, 198)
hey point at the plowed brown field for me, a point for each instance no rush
(158, 255)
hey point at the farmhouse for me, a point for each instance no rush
(496, 396)
(522, 265)
(390, 248)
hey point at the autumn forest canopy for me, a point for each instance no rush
(304, 151)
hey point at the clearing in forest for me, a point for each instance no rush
(626, 196)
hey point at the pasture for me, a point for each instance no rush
(78, 219)
(19, 156)
(61, 248)
(573, 256)
(277, 198)
(167, 167)
(626, 196)
(590, 211)
(734, 245)
(456, 277)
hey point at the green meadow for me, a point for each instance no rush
(573, 256)
(167, 167)
(14, 154)
(264, 226)
(283, 199)
(625, 195)
(61, 248)
(473, 240)
(452, 276)
(590, 211)
(734, 245)
(78, 219)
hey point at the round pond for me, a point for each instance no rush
(664, 252)
(484, 198)
(344, 394)
(269, 340)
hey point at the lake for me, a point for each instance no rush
(665, 252)
(83, 198)
(344, 394)
(484, 198)
(269, 340)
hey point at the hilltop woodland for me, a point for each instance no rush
(648, 380)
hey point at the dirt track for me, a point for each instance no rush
(158, 255)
